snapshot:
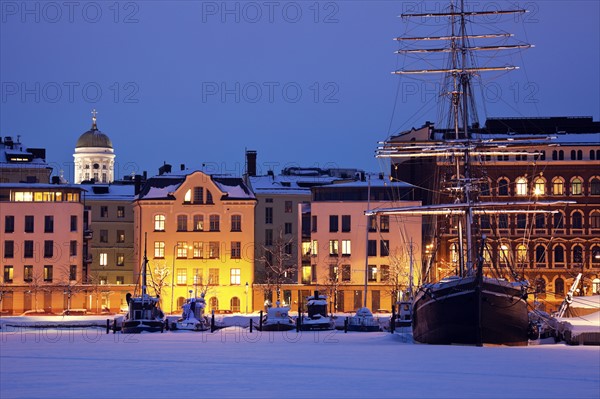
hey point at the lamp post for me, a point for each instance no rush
(246, 297)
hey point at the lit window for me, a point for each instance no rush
(213, 250)
(213, 276)
(103, 259)
(159, 249)
(197, 249)
(235, 277)
(558, 186)
(333, 247)
(346, 248)
(576, 186)
(159, 223)
(187, 198)
(539, 187)
(314, 247)
(182, 249)
(522, 255)
(521, 186)
(181, 276)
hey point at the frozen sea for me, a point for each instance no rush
(233, 363)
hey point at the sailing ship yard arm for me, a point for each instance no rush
(477, 208)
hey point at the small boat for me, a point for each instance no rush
(277, 319)
(363, 321)
(192, 317)
(144, 313)
(404, 316)
(317, 318)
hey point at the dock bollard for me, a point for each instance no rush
(114, 327)
(107, 325)
(212, 322)
(251, 325)
(346, 325)
(260, 320)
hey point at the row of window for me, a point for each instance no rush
(198, 196)
(557, 155)
(120, 237)
(30, 277)
(29, 249)
(103, 259)
(540, 220)
(43, 196)
(312, 248)
(559, 286)
(197, 278)
(346, 227)
(539, 186)
(343, 274)
(521, 254)
(199, 250)
(198, 223)
(29, 223)
(104, 211)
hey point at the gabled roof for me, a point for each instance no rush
(163, 187)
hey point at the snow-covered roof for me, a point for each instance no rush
(163, 186)
(289, 185)
(113, 192)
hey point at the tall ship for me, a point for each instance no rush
(477, 305)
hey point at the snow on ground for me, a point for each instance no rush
(87, 362)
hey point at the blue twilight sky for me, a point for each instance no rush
(302, 82)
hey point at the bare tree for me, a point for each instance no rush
(332, 282)
(398, 276)
(159, 279)
(69, 285)
(97, 286)
(36, 285)
(279, 264)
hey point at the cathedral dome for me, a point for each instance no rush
(94, 138)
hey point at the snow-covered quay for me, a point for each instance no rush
(231, 362)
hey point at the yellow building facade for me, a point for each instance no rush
(197, 232)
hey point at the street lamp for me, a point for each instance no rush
(246, 297)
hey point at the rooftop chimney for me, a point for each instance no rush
(251, 163)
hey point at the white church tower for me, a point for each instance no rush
(94, 156)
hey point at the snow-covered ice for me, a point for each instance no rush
(231, 362)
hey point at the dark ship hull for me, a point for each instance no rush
(139, 326)
(456, 311)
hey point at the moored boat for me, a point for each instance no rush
(363, 321)
(192, 316)
(277, 319)
(317, 317)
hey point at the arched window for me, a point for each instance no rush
(579, 155)
(522, 255)
(540, 254)
(576, 186)
(595, 251)
(504, 253)
(159, 222)
(213, 304)
(539, 186)
(595, 186)
(573, 155)
(485, 188)
(209, 198)
(187, 198)
(577, 220)
(559, 220)
(561, 155)
(235, 304)
(558, 186)
(540, 220)
(503, 186)
(559, 286)
(554, 155)
(559, 254)
(487, 254)
(577, 253)
(521, 186)
(595, 219)
(592, 155)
